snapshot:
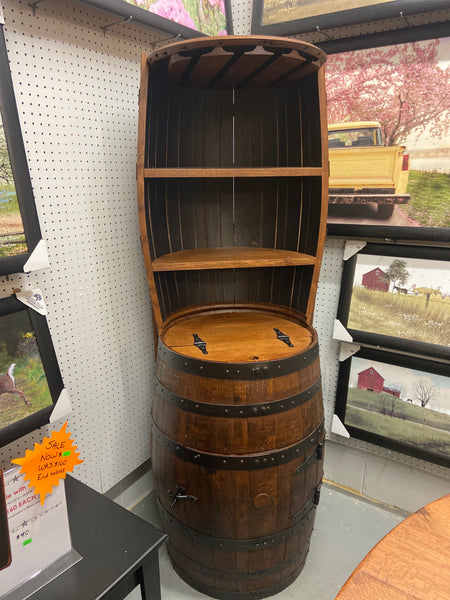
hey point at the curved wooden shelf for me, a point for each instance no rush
(238, 61)
(234, 172)
(230, 258)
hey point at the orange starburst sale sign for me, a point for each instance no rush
(49, 462)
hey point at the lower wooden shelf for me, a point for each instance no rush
(230, 258)
(243, 172)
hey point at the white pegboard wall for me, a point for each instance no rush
(403, 21)
(325, 309)
(241, 11)
(77, 97)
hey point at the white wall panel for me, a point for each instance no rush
(77, 96)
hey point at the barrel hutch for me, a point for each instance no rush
(232, 178)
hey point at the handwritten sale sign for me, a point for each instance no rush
(49, 462)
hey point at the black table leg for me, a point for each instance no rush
(150, 582)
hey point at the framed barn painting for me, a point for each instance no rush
(19, 225)
(389, 141)
(290, 17)
(398, 402)
(398, 298)
(184, 18)
(30, 380)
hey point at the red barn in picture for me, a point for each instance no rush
(375, 280)
(371, 380)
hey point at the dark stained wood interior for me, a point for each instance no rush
(283, 286)
(276, 128)
(277, 213)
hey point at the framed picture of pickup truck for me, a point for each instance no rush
(397, 297)
(389, 141)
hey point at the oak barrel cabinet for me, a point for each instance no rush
(232, 179)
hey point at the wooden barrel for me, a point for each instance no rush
(237, 446)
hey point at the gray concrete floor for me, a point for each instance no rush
(346, 528)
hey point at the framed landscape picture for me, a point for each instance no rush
(19, 226)
(290, 17)
(30, 380)
(389, 141)
(5, 546)
(398, 297)
(186, 18)
(397, 402)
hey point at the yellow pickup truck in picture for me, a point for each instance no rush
(364, 171)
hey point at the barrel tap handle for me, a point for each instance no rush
(179, 493)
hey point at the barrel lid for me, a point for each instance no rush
(241, 336)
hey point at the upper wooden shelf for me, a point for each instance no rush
(238, 61)
(230, 258)
(234, 172)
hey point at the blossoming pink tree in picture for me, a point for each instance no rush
(403, 87)
(406, 88)
(207, 16)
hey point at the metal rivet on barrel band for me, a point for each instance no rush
(209, 460)
(231, 410)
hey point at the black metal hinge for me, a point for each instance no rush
(201, 345)
(310, 505)
(312, 458)
(283, 337)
